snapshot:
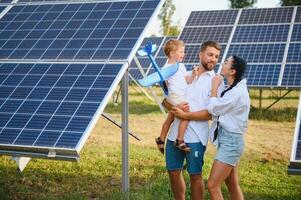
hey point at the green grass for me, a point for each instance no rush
(98, 174)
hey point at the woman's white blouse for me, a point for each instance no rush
(233, 108)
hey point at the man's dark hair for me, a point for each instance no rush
(210, 44)
(240, 66)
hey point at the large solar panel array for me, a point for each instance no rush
(59, 64)
(268, 38)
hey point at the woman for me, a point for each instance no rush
(231, 111)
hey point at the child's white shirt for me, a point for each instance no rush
(177, 83)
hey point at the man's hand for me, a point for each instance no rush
(184, 106)
(179, 113)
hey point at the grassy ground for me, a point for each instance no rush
(98, 174)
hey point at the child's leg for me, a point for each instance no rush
(182, 128)
(180, 140)
(165, 128)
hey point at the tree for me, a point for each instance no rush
(165, 16)
(241, 3)
(290, 2)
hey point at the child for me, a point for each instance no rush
(177, 85)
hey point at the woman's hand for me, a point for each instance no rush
(216, 81)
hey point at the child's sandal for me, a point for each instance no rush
(160, 144)
(182, 145)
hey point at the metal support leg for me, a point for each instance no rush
(278, 99)
(260, 98)
(125, 136)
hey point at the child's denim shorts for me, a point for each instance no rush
(230, 146)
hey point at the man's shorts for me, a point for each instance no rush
(194, 159)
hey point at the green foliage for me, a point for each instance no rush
(165, 16)
(290, 2)
(242, 3)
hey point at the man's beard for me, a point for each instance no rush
(205, 65)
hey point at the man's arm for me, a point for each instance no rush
(183, 106)
(203, 115)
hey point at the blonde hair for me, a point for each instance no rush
(172, 45)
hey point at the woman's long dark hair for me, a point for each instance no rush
(240, 66)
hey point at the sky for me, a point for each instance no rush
(184, 7)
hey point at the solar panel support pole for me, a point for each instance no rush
(125, 136)
(21, 162)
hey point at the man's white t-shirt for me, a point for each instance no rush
(198, 94)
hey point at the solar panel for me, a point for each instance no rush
(298, 15)
(294, 53)
(6, 1)
(51, 105)
(295, 160)
(210, 18)
(263, 75)
(198, 35)
(258, 53)
(267, 38)
(87, 31)
(51, 99)
(248, 34)
(266, 15)
(2, 8)
(296, 35)
(292, 75)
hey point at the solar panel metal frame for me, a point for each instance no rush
(295, 165)
(73, 154)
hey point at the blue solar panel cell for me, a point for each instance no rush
(298, 15)
(258, 53)
(261, 33)
(296, 35)
(266, 15)
(292, 75)
(5, 1)
(193, 35)
(294, 53)
(65, 31)
(2, 8)
(263, 75)
(211, 18)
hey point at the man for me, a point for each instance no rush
(196, 135)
